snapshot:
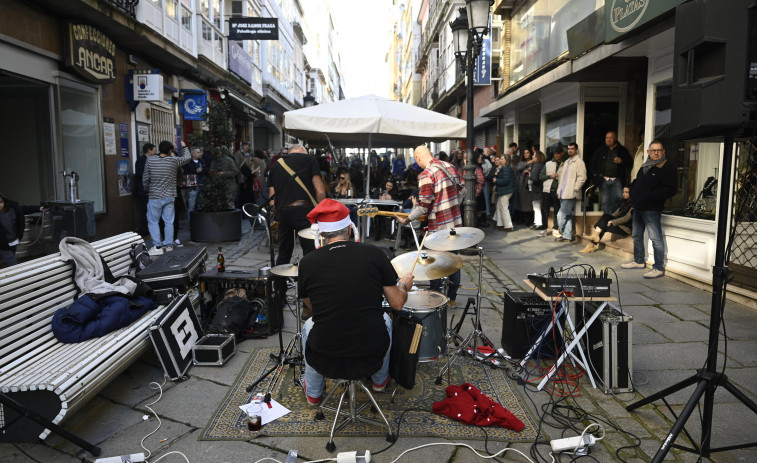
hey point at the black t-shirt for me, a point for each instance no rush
(287, 189)
(345, 283)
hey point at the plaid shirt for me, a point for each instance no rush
(437, 196)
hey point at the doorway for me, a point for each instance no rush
(600, 117)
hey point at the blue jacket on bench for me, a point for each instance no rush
(86, 318)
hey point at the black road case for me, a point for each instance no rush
(174, 334)
(175, 269)
(610, 343)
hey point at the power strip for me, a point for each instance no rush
(571, 444)
(133, 458)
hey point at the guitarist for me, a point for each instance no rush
(439, 197)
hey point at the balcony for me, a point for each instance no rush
(212, 42)
(128, 6)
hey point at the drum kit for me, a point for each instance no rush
(426, 307)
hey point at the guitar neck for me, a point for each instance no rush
(422, 218)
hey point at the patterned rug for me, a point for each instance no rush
(229, 423)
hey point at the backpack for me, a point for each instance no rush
(234, 315)
(140, 258)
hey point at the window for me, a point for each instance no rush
(662, 111)
(172, 9)
(80, 130)
(186, 19)
(697, 164)
(561, 129)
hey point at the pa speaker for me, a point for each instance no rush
(712, 52)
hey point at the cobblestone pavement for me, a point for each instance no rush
(669, 332)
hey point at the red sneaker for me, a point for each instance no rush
(381, 387)
(311, 400)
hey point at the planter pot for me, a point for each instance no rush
(215, 226)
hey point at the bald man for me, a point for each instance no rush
(439, 199)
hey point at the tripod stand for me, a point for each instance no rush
(707, 379)
(475, 335)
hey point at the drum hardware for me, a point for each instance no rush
(477, 333)
(293, 354)
(454, 333)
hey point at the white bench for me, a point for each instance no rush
(51, 380)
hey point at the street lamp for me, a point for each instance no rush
(468, 31)
(308, 100)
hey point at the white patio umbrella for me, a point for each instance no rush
(372, 121)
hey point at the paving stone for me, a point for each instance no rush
(692, 296)
(224, 374)
(632, 426)
(744, 352)
(652, 419)
(683, 331)
(643, 334)
(687, 312)
(688, 356)
(128, 441)
(133, 385)
(41, 452)
(191, 402)
(648, 314)
(744, 379)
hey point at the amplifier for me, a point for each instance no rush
(610, 342)
(580, 287)
(257, 286)
(524, 317)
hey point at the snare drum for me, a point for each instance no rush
(429, 308)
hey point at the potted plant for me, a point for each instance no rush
(214, 220)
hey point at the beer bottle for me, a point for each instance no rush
(221, 260)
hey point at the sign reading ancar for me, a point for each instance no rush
(254, 29)
(91, 53)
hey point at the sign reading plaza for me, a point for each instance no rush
(253, 29)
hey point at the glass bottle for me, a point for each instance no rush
(221, 260)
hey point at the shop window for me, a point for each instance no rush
(80, 130)
(561, 129)
(697, 164)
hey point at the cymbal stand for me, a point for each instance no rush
(475, 335)
(292, 355)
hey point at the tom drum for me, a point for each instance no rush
(429, 308)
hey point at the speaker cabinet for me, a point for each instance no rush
(524, 317)
(713, 43)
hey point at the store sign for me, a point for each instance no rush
(91, 53)
(194, 106)
(626, 15)
(254, 29)
(147, 87)
(240, 63)
(482, 69)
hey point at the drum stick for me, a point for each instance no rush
(419, 252)
(416, 339)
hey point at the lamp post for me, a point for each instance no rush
(309, 100)
(468, 31)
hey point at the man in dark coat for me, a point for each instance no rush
(654, 184)
(609, 167)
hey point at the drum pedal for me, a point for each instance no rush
(484, 355)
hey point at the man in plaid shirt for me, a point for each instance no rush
(438, 199)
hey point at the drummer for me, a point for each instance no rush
(343, 283)
(438, 199)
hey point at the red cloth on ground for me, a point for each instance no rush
(468, 405)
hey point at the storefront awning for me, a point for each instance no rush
(246, 107)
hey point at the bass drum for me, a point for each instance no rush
(429, 309)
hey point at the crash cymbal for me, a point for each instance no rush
(285, 270)
(431, 264)
(454, 239)
(306, 233)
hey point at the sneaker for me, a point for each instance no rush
(155, 251)
(556, 233)
(311, 400)
(177, 243)
(381, 387)
(562, 238)
(632, 264)
(168, 248)
(545, 232)
(452, 303)
(654, 273)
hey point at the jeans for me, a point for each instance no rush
(452, 285)
(190, 199)
(611, 193)
(487, 202)
(549, 200)
(315, 381)
(8, 256)
(565, 217)
(649, 220)
(157, 208)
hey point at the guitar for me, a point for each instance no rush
(374, 211)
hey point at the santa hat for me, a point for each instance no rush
(330, 216)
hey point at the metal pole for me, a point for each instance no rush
(469, 205)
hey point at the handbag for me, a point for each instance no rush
(257, 187)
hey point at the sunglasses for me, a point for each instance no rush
(341, 178)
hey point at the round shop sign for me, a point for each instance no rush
(626, 14)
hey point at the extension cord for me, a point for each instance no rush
(570, 444)
(354, 457)
(133, 458)
(481, 356)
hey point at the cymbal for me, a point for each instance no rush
(431, 264)
(306, 233)
(285, 270)
(454, 239)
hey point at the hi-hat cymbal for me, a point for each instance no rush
(285, 270)
(431, 264)
(306, 233)
(454, 239)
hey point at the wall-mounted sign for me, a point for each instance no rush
(90, 53)
(194, 105)
(254, 29)
(240, 63)
(626, 15)
(148, 87)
